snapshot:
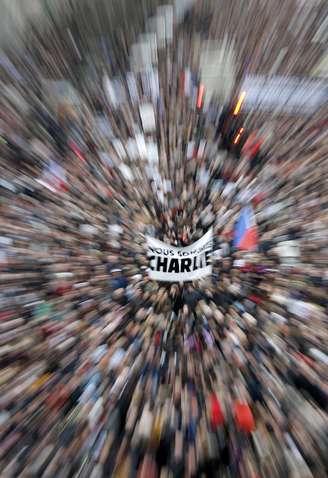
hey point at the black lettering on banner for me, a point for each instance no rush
(208, 258)
(185, 265)
(151, 258)
(162, 264)
(156, 250)
(174, 261)
(194, 265)
(174, 266)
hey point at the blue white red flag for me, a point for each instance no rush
(246, 231)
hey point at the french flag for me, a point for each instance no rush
(246, 232)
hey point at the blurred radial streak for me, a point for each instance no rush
(125, 119)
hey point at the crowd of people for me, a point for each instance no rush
(105, 372)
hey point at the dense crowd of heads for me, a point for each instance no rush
(105, 372)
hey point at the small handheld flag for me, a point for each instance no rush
(246, 231)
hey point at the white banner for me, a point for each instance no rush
(288, 94)
(180, 264)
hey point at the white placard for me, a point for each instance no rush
(147, 116)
